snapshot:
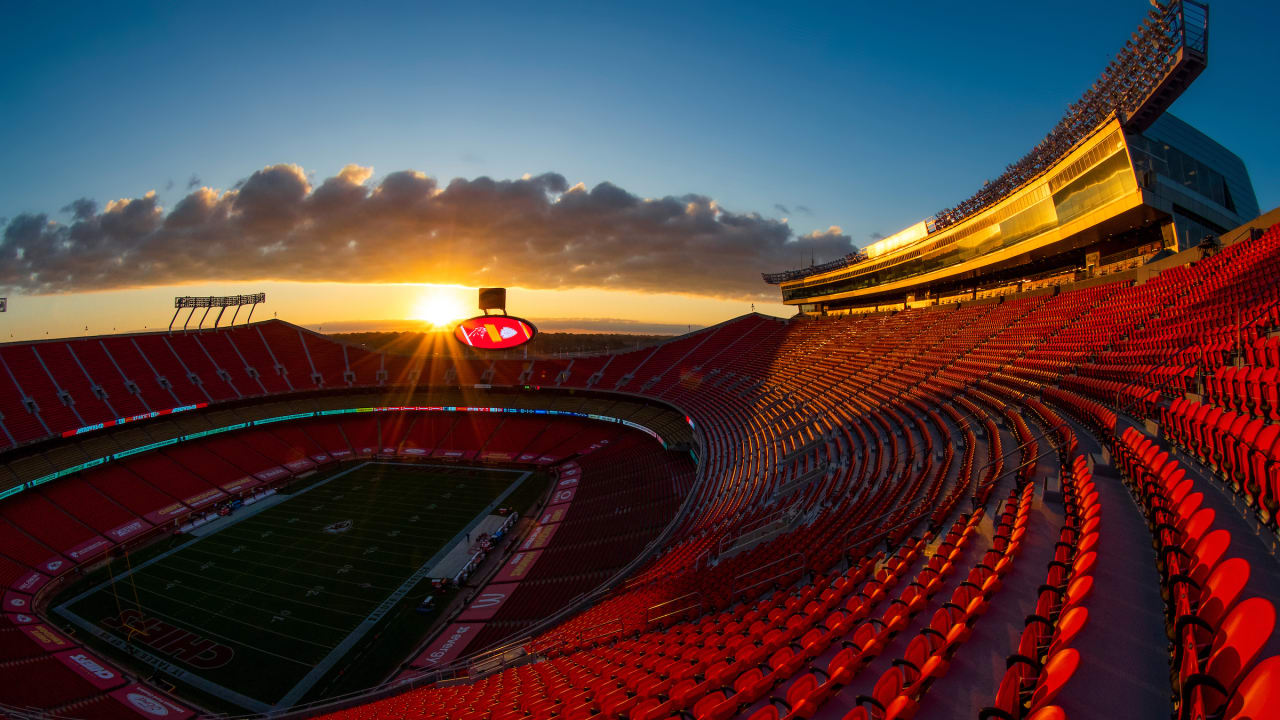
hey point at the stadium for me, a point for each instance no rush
(1018, 460)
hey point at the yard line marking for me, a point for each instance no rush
(194, 542)
(188, 625)
(303, 524)
(224, 583)
(237, 620)
(309, 528)
(341, 556)
(293, 696)
(169, 668)
(277, 580)
(413, 501)
(246, 545)
(356, 534)
(242, 560)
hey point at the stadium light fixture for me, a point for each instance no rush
(214, 301)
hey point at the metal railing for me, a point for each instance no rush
(701, 603)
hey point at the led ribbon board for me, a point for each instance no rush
(322, 413)
(494, 332)
(132, 418)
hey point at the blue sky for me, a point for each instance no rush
(870, 116)
(873, 117)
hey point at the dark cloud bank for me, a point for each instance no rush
(536, 232)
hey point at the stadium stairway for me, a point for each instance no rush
(1124, 643)
(965, 689)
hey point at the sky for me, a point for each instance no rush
(616, 164)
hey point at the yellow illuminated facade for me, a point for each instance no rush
(1094, 202)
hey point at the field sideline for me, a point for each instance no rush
(294, 587)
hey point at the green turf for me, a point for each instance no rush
(282, 593)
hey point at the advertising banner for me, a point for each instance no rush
(30, 583)
(150, 704)
(96, 671)
(562, 496)
(517, 566)
(270, 474)
(553, 514)
(165, 514)
(46, 637)
(243, 483)
(89, 548)
(488, 601)
(204, 498)
(16, 602)
(539, 537)
(448, 645)
(129, 529)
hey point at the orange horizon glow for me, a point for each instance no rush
(439, 309)
(354, 307)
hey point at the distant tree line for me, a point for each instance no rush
(544, 344)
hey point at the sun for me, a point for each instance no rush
(439, 310)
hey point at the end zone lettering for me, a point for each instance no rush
(172, 641)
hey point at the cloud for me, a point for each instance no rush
(536, 232)
(804, 210)
(193, 181)
(81, 209)
(877, 236)
(781, 208)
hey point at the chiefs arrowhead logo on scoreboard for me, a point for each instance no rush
(494, 332)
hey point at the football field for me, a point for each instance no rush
(259, 611)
